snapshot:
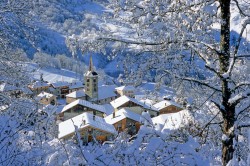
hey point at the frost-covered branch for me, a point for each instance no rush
(231, 66)
(207, 63)
(209, 123)
(195, 80)
(239, 85)
(242, 110)
(237, 99)
(219, 106)
(241, 11)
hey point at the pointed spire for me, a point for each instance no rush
(90, 63)
(41, 77)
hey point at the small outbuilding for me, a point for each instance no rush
(168, 106)
(46, 98)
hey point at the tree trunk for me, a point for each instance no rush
(228, 132)
(228, 111)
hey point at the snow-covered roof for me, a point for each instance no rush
(60, 84)
(7, 87)
(109, 109)
(68, 127)
(124, 99)
(172, 120)
(44, 95)
(126, 88)
(106, 91)
(38, 84)
(147, 102)
(59, 108)
(86, 104)
(165, 103)
(77, 94)
(26, 90)
(76, 85)
(122, 114)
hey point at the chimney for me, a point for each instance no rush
(114, 114)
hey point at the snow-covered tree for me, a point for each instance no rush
(201, 42)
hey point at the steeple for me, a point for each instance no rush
(91, 82)
(90, 63)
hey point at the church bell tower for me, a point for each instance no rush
(91, 82)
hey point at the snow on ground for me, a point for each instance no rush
(171, 121)
(151, 90)
(53, 75)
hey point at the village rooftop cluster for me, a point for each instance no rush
(99, 113)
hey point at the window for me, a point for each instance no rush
(87, 89)
(94, 80)
(87, 84)
(88, 80)
(94, 89)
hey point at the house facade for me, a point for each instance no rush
(61, 89)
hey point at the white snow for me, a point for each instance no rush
(86, 104)
(75, 85)
(224, 137)
(77, 94)
(122, 114)
(126, 88)
(39, 84)
(171, 121)
(44, 95)
(239, 96)
(106, 91)
(60, 84)
(146, 119)
(165, 103)
(109, 109)
(4, 87)
(124, 99)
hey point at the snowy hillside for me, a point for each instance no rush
(61, 19)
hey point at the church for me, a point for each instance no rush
(92, 92)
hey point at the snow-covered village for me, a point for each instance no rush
(124, 82)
